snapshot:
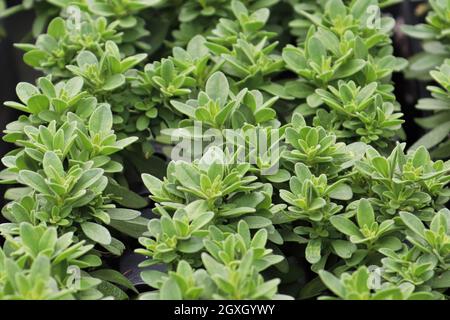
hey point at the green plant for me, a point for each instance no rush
(199, 17)
(287, 179)
(315, 147)
(409, 182)
(345, 63)
(357, 287)
(59, 46)
(232, 270)
(434, 40)
(305, 11)
(39, 265)
(69, 195)
(437, 124)
(180, 236)
(64, 154)
(215, 184)
(432, 64)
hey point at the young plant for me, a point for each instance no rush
(218, 184)
(39, 265)
(438, 123)
(177, 237)
(435, 40)
(344, 59)
(289, 184)
(233, 263)
(315, 147)
(410, 182)
(57, 48)
(358, 286)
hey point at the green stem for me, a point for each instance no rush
(13, 10)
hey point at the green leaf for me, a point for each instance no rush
(108, 289)
(170, 290)
(294, 58)
(114, 82)
(130, 62)
(73, 86)
(332, 283)
(142, 123)
(133, 228)
(153, 277)
(313, 249)
(190, 246)
(345, 226)
(87, 179)
(96, 232)
(114, 277)
(413, 223)
(343, 249)
(420, 31)
(217, 88)
(38, 103)
(86, 58)
(316, 50)
(359, 8)
(257, 222)
(123, 143)
(365, 214)
(282, 175)
(167, 71)
(126, 197)
(184, 108)
(35, 181)
(348, 69)
(187, 175)
(382, 166)
(25, 91)
(35, 57)
(202, 219)
(336, 8)
(433, 138)
(442, 281)
(30, 238)
(123, 214)
(101, 120)
(116, 247)
(57, 28)
(421, 157)
(52, 160)
(341, 192)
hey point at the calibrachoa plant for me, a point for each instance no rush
(268, 150)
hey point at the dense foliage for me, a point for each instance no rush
(433, 64)
(334, 206)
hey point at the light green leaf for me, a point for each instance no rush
(332, 283)
(101, 120)
(96, 232)
(413, 223)
(365, 214)
(345, 226)
(217, 88)
(34, 180)
(123, 214)
(170, 290)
